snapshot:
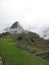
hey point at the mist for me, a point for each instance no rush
(33, 15)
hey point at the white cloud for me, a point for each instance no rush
(34, 13)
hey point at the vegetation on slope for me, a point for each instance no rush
(25, 41)
(36, 48)
(16, 56)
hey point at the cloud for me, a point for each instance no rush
(29, 13)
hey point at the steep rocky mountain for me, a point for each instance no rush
(16, 28)
(15, 25)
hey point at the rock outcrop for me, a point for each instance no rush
(15, 25)
(16, 28)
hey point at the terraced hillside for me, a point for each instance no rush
(13, 55)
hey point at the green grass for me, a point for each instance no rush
(25, 41)
(36, 48)
(29, 45)
(17, 56)
(47, 58)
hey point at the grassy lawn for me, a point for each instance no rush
(36, 48)
(17, 56)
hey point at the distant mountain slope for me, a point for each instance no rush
(16, 28)
(45, 33)
(15, 25)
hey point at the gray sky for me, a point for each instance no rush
(32, 14)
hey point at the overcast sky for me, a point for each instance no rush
(31, 14)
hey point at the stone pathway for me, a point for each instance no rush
(1, 63)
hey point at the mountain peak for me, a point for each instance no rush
(16, 28)
(15, 25)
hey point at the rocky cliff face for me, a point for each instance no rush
(15, 25)
(16, 28)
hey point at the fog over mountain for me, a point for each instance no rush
(33, 15)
